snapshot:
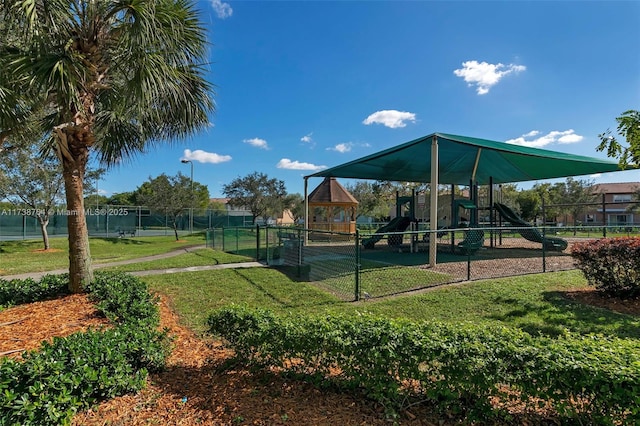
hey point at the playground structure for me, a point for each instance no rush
(528, 231)
(406, 218)
(398, 224)
(473, 232)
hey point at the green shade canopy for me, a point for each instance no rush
(462, 159)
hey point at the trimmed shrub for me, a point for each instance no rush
(612, 265)
(461, 369)
(123, 298)
(17, 292)
(75, 372)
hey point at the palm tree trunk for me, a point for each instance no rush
(80, 271)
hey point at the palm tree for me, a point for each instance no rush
(113, 78)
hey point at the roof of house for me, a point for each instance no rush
(331, 192)
(219, 200)
(616, 188)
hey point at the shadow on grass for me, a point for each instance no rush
(291, 272)
(19, 246)
(556, 313)
(124, 241)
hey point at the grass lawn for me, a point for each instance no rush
(198, 257)
(533, 303)
(18, 257)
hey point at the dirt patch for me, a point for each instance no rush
(24, 327)
(46, 251)
(590, 296)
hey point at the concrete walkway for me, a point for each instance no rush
(182, 250)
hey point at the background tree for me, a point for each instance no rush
(256, 193)
(373, 198)
(33, 186)
(629, 130)
(574, 194)
(550, 195)
(530, 204)
(110, 77)
(129, 198)
(173, 196)
(295, 204)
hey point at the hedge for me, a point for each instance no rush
(457, 368)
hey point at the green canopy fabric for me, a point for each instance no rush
(462, 159)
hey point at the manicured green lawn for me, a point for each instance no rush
(533, 302)
(26, 256)
(198, 257)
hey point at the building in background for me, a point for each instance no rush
(620, 205)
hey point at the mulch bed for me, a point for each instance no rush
(195, 389)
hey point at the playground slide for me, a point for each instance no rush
(530, 233)
(398, 224)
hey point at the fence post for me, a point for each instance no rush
(357, 268)
(468, 260)
(268, 251)
(544, 236)
(604, 217)
(258, 240)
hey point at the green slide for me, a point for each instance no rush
(530, 233)
(398, 224)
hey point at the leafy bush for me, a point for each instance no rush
(462, 369)
(74, 372)
(612, 265)
(16, 292)
(123, 298)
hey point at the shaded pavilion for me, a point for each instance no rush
(332, 208)
(441, 158)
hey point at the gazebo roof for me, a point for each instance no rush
(330, 192)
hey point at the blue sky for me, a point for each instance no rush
(303, 85)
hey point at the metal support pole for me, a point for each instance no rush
(357, 268)
(604, 217)
(433, 214)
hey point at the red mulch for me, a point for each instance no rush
(195, 390)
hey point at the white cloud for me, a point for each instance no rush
(285, 163)
(204, 157)
(390, 118)
(257, 142)
(342, 147)
(570, 138)
(484, 75)
(307, 138)
(556, 136)
(222, 9)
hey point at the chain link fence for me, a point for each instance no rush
(118, 221)
(398, 262)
